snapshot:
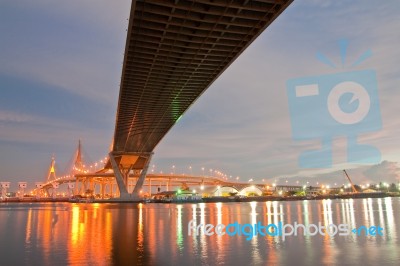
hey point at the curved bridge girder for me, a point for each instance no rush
(175, 49)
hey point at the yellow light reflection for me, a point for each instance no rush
(220, 246)
(219, 212)
(86, 221)
(75, 225)
(29, 227)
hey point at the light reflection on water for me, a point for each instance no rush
(157, 234)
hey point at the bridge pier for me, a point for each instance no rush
(139, 183)
(122, 164)
(111, 186)
(47, 192)
(102, 189)
(150, 187)
(123, 192)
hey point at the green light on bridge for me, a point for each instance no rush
(179, 118)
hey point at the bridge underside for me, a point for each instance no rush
(175, 49)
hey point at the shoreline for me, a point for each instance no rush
(208, 200)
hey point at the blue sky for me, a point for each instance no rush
(60, 69)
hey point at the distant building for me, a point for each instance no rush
(11, 194)
(187, 195)
(227, 191)
(180, 195)
(369, 190)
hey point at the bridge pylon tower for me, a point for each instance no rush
(78, 162)
(78, 167)
(51, 176)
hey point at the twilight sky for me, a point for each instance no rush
(60, 68)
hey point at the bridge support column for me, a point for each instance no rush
(149, 185)
(48, 192)
(123, 192)
(76, 186)
(102, 189)
(85, 187)
(122, 164)
(139, 183)
(111, 189)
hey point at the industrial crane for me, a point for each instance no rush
(352, 185)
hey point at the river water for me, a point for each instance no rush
(157, 234)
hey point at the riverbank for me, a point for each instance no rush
(212, 199)
(293, 198)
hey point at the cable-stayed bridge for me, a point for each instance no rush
(83, 179)
(175, 50)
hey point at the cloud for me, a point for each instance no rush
(384, 172)
(26, 128)
(80, 50)
(7, 116)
